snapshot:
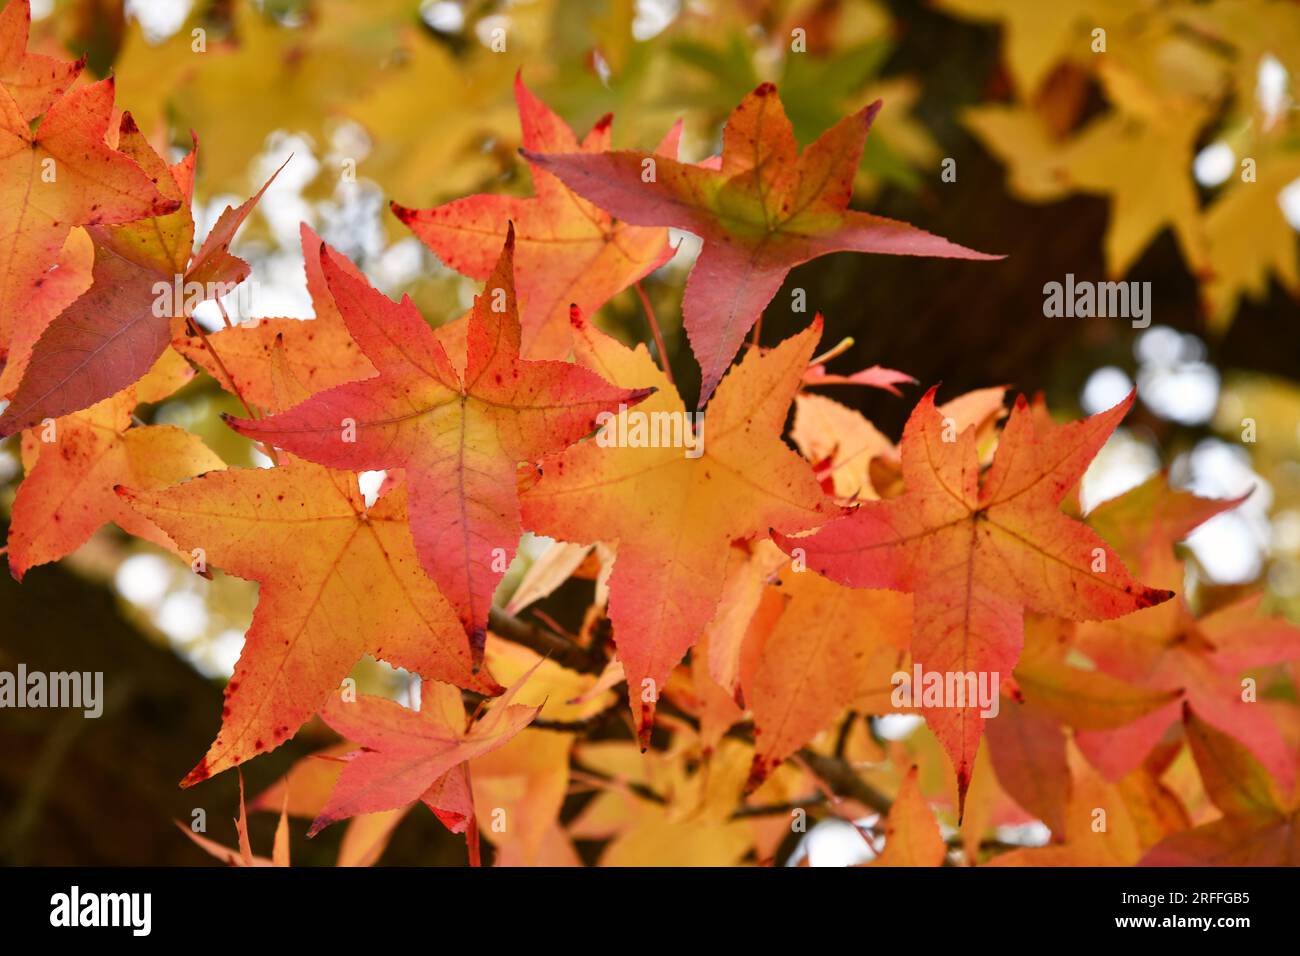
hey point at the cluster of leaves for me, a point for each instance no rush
(750, 603)
(309, 65)
(1173, 77)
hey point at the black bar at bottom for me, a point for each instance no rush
(330, 906)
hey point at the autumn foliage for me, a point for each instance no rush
(752, 584)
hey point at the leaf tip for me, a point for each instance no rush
(1150, 597)
(869, 112)
(200, 773)
(963, 784)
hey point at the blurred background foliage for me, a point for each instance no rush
(1126, 163)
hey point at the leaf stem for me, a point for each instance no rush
(834, 351)
(224, 317)
(658, 335)
(234, 386)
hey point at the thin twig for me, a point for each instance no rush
(842, 738)
(835, 801)
(778, 809)
(844, 780)
(582, 726)
(545, 642)
(613, 783)
(837, 774)
(552, 623)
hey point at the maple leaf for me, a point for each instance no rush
(73, 464)
(874, 377)
(338, 580)
(1114, 155)
(69, 278)
(110, 336)
(568, 250)
(706, 699)
(459, 435)
(318, 353)
(1260, 826)
(1250, 239)
(746, 606)
(34, 81)
(1167, 648)
(694, 827)
(764, 210)
(832, 648)
(528, 779)
(462, 89)
(671, 517)
(1084, 698)
(849, 453)
(1152, 516)
(840, 443)
(527, 776)
(411, 755)
(553, 567)
(912, 836)
(305, 788)
(1027, 748)
(976, 552)
(255, 75)
(1139, 813)
(243, 856)
(59, 175)
(1038, 35)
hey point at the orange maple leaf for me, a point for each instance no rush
(338, 580)
(671, 516)
(74, 462)
(318, 353)
(975, 552)
(58, 175)
(1260, 825)
(569, 251)
(458, 434)
(411, 755)
(144, 280)
(761, 211)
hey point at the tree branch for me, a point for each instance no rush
(835, 772)
(545, 642)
